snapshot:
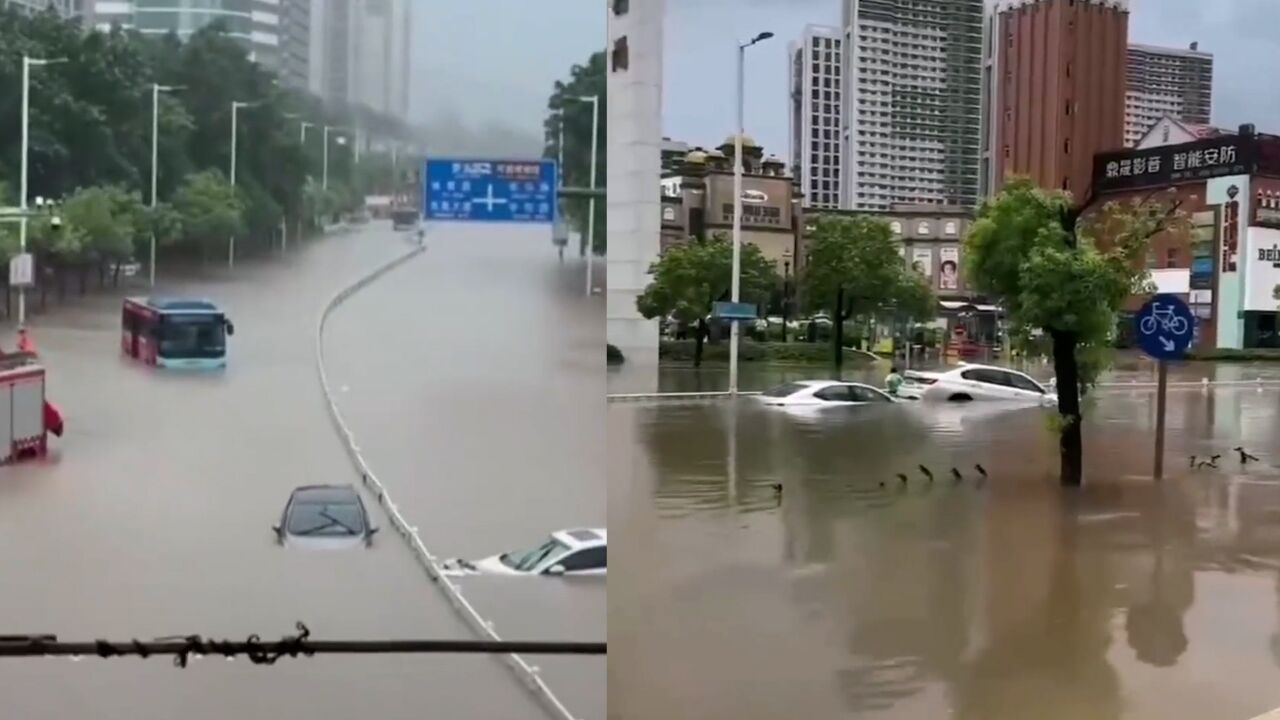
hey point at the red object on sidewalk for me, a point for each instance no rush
(25, 343)
(52, 418)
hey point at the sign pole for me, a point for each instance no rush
(1162, 386)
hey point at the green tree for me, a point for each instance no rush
(855, 269)
(210, 208)
(1052, 271)
(688, 279)
(575, 117)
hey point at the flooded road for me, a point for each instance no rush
(153, 518)
(1001, 600)
(473, 378)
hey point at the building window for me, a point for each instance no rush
(1006, 151)
(620, 7)
(1066, 146)
(620, 57)
(1068, 68)
(1067, 110)
(1171, 258)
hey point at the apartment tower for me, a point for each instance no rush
(1166, 81)
(815, 70)
(1054, 86)
(911, 102)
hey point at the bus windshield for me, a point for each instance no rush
(192, 336)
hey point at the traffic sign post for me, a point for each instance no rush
(1165, 328)
(515, 191)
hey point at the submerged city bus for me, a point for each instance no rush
(175, 333)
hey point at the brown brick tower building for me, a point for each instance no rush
(1054, 83)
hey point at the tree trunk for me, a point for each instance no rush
(115, 277)
(1071, 443)
(837, 329)
(699, 333)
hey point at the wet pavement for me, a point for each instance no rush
(1001, 599)
(153, 515)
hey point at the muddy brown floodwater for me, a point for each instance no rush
(999, 600)
(153, 515)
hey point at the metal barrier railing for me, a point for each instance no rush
(526, 673)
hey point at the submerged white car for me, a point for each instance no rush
(980, 382)
(581, 551)
(817, 393)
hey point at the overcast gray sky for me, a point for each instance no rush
(701, 36)
(493, 62)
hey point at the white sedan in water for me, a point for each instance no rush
(820, 393)
(980, 382)
(581, 551)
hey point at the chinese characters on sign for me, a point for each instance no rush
(1198, 160)
(754, 214)
(493, 191)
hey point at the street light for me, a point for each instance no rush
(156, 89)
(735, 331)
(591, 208)
(235, 111)
(325, 174)
(27, 63)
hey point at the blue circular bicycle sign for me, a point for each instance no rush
(1165, 327)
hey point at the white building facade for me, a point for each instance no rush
(634, 58)
(816, 66)
(360, 53)
(911, 102)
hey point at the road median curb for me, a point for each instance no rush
(527, 674)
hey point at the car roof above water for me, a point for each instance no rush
(326, 494)
(582, 537)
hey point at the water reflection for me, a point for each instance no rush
(853, 595)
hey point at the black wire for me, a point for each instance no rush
(267, 652)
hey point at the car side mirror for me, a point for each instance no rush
(279, 532)
(555, 570)
(231, 328)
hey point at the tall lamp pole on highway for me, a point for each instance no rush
(156, 89)
(302, 138)
(591, 204)
(325, 172)
(235, 113)
(27, 63)
(735, 328)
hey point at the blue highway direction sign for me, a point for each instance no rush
(521, 191)
(1165, 327)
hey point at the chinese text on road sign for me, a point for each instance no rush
(490, 190)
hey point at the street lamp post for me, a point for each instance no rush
(735, 331)
(156, 89)
(591, 203)
(786, 290)
(27, 63)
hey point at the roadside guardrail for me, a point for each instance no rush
(526, 673)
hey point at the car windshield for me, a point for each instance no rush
(326, 519)
(528, 560)
(192, 336)
(784, 390)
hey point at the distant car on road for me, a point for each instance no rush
(575, 552)
(980, 382)
(324, 517)
(824, 392)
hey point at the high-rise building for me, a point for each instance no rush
(911, 102)
(816, 65)
(1054, 86)
(1166, 81)
(273, 32)
(360, 52)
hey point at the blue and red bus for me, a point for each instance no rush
(175, 333)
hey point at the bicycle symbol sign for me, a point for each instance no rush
(1165, 327)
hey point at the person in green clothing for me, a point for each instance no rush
(893, 381)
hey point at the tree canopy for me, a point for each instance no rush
(575, 115)
(855, 268)
(688, 279)
(91, 134)
(1053, 271)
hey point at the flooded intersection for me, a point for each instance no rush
(1003, 599)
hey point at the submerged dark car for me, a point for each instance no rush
(324, 517)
